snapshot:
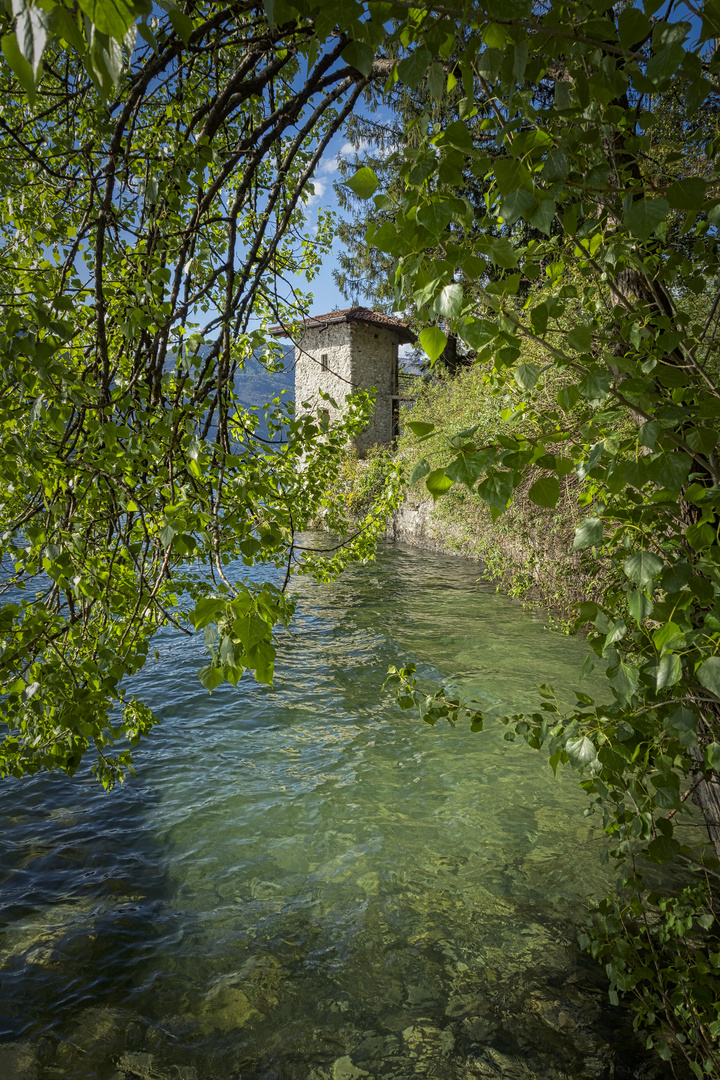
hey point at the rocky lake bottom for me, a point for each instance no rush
(308, 884)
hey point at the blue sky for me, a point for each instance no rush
(327, 296)
(326, 293)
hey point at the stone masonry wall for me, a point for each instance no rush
(357, 357)
(310, 378)
(412, 523)
(374, 363)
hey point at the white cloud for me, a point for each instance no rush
(320, 189)
(347, 150)
(328, 166)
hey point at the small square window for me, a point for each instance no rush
(324, 361)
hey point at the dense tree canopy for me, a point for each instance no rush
(153, 169)
(614, 303)
(153, 178)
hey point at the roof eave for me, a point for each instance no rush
(306, 324)
(405, 335)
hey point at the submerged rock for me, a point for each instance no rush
(101, 1027)
(374, 1048)
(494, 1065)
(240, 997)
(225, 1008)
(429, 1048)
(344, 1069)
(18, 1061)
(138, 1066)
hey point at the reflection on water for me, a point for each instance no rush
(306, 884)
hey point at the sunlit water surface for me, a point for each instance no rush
(307, 883)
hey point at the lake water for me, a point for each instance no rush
(308, 884)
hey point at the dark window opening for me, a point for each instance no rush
(324, 361)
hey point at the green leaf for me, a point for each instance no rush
(644, 216)
(477, 332)
(640, 605)
(702, 440)
(420, 427)
(700, 535)
(207, 610)
(438, 483)
(63, 26)
(488, 63)
(670, 470)
(687, 194)
(111, 17)
(682, 724)
(648, 433)
(633, 27)
(31, 32)
(709, 675)
(364, 183)
(625, 680)
(581, 751)
(542, 215)
(503, 253)
(104, 63)
(669, 671)
(436, 81)
(663, 849)
(250, 630)
(587, 667)
(711, 20)
(642, 567)
(466, 468)
(664, 63)
(449, 302)
(183, 26)
(432, 341)
(516, 205)
(210, 676)
(422, 468)
(712, 756)
(568, 398)
(595, 386)
(587, 534)
(580, 339)
(167, 533)
(262, 659)
(457, 135)
(412, 69)
(527, 375)
(539, 318)
(359, 55)
(497, 489)
(19, 65)
(386, 238)
(510, 175)
(435, 215)
(557, 165)
(545, 491)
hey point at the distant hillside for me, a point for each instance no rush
(256, 385)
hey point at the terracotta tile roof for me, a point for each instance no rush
(352, 314)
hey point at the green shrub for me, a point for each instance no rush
(528, 550)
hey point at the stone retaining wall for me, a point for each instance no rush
(412, 523)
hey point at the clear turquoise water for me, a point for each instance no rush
(307, 883)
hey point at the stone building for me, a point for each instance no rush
(342, 351)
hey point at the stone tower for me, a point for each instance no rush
(342, 351)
